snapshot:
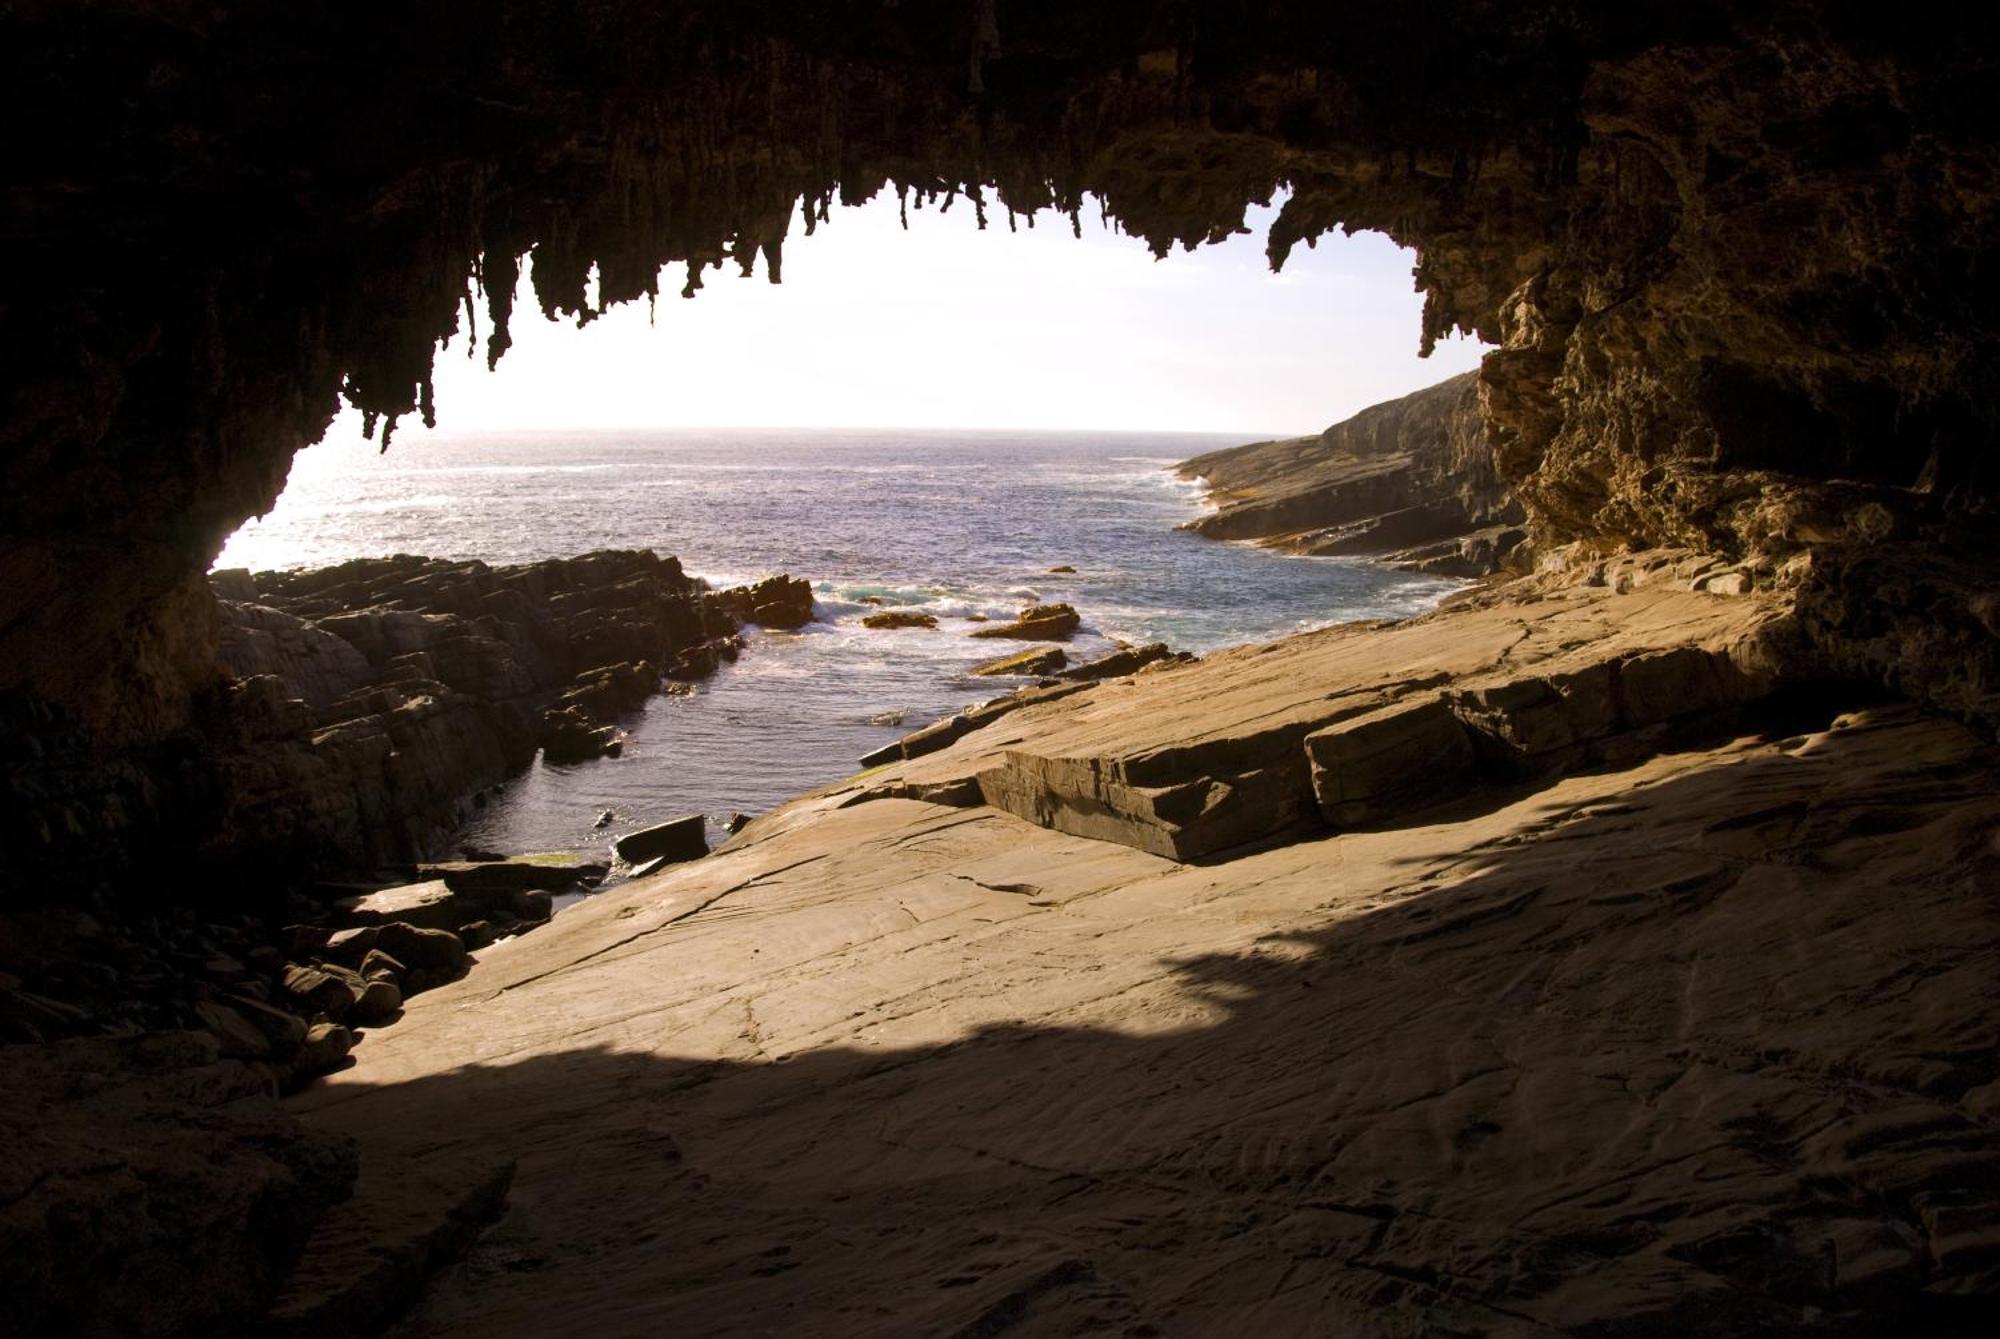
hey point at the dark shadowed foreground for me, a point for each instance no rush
(1708, 1041)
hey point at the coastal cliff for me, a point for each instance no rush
(1411, 482)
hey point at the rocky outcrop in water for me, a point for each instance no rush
(1410, 481)
(371, 701)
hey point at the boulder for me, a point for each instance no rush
(380, 1000)
(323, 988)
(420, 947)
(899, 618)
(781, 601)
(351, 946)
(1037, 623)
(677, 840)
(1042, 660)
(431, 904)
(379, 966)
(325, 1048)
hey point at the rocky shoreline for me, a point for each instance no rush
(371, 703)
(1533, 791)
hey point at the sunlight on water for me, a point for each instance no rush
(955, 524)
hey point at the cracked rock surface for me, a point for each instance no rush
(1652, 1044)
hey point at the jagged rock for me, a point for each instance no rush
(677, 840)
(1037, 623)
(899, 618)
(371, 698)
(777, 602)
(1029, 663)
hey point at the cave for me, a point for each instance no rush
(1736, 260)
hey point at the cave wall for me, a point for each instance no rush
(1738, 257)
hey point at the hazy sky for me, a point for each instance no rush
(944, 326)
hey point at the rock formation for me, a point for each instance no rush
(370, 701)
(782, 601)
(1036, 623)
(1410, 481)
(899, 618)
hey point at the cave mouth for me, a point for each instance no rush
(1737, 265)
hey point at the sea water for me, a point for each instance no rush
(951, 523)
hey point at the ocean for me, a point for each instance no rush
(952, 523)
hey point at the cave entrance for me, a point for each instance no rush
(927, 420)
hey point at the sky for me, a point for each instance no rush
(944, 326)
